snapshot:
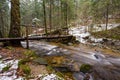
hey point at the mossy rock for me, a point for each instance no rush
(85, 68)
(40, 61)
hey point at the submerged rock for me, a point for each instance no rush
(78, 76)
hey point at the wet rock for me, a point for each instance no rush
(41, 61)
(87, 37)
(99, 55)
(87, 77)
(105, 40)
(0, 57)
(70, 44)
(74, 67)
(62, 68)
(78, 76)
(85, 68)
(117, 43)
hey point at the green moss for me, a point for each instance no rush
(26, 69)
(6, 68)
(60, 74)
(85, 68)
(23, 61)
(29, 53)
(9, 47)
(50, 69)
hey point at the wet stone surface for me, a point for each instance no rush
(40, 61)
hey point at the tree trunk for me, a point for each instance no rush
(61, 14)
(15, 22)
(50, 16)
(1, 24)
(45, 24)
(66, 17)
(107, 16)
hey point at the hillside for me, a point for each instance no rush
(112, 34)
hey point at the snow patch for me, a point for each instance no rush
(49, 77)
(11, 73)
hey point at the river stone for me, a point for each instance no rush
(62, 68)
(41, 61)
(78, 76)
(74, 67)
(70, 44)
(0, 57)
(105, 40)
(117, 43)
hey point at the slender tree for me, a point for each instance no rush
(45, 24)
(50, 15)
(107, 8)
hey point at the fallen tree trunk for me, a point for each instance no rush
(35, 38)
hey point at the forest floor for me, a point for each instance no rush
(111, 38)
(25, 64)
(26, 58)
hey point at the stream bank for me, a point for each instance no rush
(63, 61)
(83, 35)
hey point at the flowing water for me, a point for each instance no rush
(105, 67)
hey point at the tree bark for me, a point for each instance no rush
(107, 16)
(15, 22)
(50, 16)
(45, 24)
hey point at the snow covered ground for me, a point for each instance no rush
(100, 27)
(49, 77)
(11, 72)
(81, 32)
